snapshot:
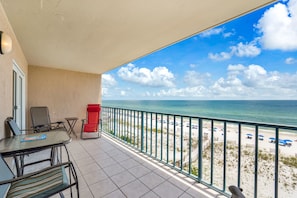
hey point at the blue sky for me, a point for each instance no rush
(252, 57)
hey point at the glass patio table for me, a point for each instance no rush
(23, 144)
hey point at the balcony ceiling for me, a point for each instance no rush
(96, 36)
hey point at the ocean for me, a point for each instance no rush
(283, 112)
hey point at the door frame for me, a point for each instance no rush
(22, 91)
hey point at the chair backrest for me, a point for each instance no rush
(93, 116)
(40, 117)
(13, 126)
(6, 174)
(93, 111)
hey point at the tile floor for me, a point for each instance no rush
(110, 169)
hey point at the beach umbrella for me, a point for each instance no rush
(288, 140)
(249, 135)
(282, 142)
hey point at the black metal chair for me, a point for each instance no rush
(41, 121)
(16, 131)
(236, 192)
(43, 183)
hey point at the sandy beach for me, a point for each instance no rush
(266, 153)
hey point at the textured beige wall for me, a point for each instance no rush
(6, 69)
(66, 93)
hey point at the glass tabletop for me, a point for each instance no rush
(22, 143)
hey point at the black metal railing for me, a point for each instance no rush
(215, 152)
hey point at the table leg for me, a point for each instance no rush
(71, 124)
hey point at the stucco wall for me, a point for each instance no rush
(6, 70)
(66, 93)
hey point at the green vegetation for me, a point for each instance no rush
(289, 161)
(194, 170)
(265, 156)
(127, 139)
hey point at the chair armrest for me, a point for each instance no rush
(58, 122)
(58, 125)
(42, 128)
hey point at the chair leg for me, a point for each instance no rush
(53, 155)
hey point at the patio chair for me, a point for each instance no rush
(41, 120)
(90, 127)
(16, 131)
(236, 192)
(43, 183)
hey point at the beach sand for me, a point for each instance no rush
(266, 149)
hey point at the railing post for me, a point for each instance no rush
(256, 161)
(225, 157)
(142, 131)
(276, 163)
(200, 144)
(114, 122)
(190, 145)
(211, 153)
(239, 156)
(174, 140)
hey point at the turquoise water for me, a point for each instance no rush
(282, 112)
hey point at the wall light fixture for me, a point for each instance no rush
(5, 43)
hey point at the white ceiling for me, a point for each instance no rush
(99, 35)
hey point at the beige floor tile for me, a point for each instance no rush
(167, 189)
(134, 189)
(123, 178)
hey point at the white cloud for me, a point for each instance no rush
(290, 61)
(158, 77)
(108, 80)
(228, 34)
(194, 78)
(246, 50)
(123, 93)
(197, 91)
(278, 27)
(217, 31)
(254, 81)
(104, 91)
(213, 31)
(240, 50)
(241, 82)
(192, 65)
(220, 56)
